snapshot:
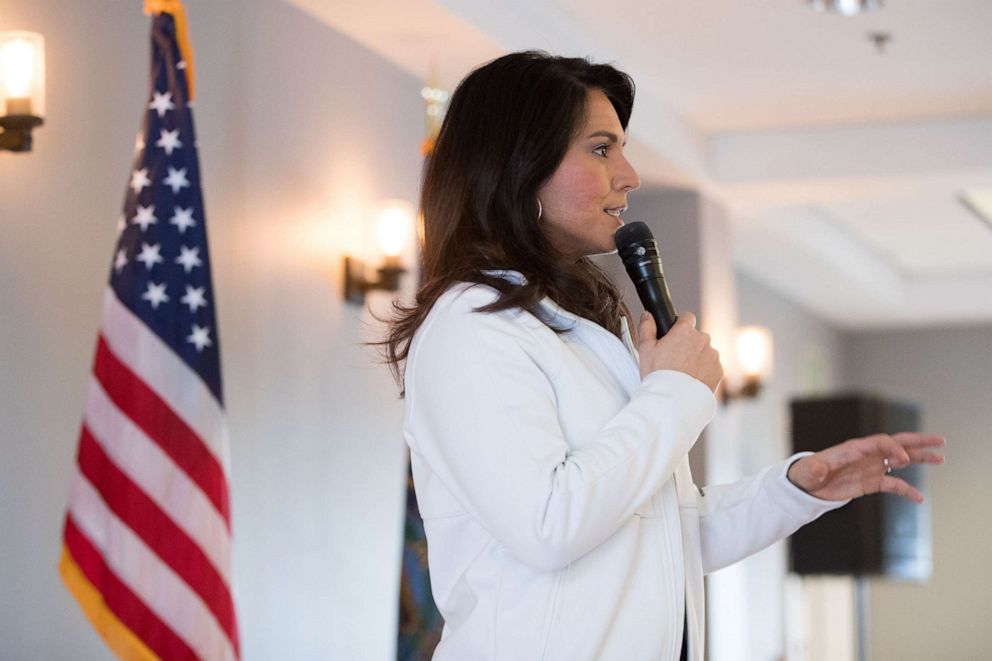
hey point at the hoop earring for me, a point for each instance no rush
(540, 209)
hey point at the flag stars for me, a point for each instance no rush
(139, 180)
(150, 255)
(183, 219)
(200, 337)
(145, 216)
(189, 257)
(120, 261)
(194, 298)
(169, 141)
(161, 103)
(177, 180)
(155, 294)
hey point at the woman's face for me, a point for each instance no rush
(583, 199)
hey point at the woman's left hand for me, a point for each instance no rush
(857, 467)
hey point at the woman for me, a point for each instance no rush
(549, 456)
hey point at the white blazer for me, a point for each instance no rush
(561, 518)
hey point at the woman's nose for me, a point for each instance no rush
(626, 178)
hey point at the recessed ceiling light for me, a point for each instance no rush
(845, 7)
(979, 202)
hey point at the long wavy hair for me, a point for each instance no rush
(507, 129)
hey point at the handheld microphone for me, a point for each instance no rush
(639, 252)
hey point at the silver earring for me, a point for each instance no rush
(540, 209)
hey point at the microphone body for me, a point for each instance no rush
(638, 250)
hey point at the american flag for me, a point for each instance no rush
(147, 540)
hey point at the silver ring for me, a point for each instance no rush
(888, 466)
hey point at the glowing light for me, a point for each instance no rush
(394, 227)
(754, 351)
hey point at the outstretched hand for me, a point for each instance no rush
(857, 467)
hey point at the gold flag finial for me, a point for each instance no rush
(178, 12)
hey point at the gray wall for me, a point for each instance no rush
(301, 131)
(774, 617)
(949, 373)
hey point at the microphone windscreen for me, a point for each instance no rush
(631, 233)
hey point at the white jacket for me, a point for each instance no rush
(561, 518)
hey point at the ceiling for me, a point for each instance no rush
(841, 166)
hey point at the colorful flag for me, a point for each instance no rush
(420, 622)
(147, 541)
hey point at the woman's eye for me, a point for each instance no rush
(601, 150)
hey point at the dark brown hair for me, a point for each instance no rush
(508, 127)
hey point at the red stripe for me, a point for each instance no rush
(128, 608)
(158, 531)
(157, 419)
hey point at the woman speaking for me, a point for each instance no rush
(549, 446)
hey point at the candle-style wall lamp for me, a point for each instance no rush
(22, 88)
(393, 231)
(753, 351)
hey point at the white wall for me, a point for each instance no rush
(948, 372)
(301, 131)
(812, 617)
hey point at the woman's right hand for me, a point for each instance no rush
(683, 348)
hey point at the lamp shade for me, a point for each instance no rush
(22, 74)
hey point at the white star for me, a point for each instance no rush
(150, 255)
(181, 64)
(176, 180)
(121, 260)
(194, 298)
(189, 257)
(139, 179)
(169, 140)
(183, 219)
(161, 103)
(121, 224)
(145, 217)
(155, 294)
(200, 337)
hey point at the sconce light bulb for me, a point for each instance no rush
(754, 350)
(394, 228)
(17, 62)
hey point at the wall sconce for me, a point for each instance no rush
(393, 230)
(753, 347)
(22, 88)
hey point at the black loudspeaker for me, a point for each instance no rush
(876, 535)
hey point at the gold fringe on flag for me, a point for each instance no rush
(118, 637)
(178, 11)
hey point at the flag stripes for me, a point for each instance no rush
(138, 567)
(156, 529)
(138, 402)
(119, 615)
(144, 462)
(153, 361)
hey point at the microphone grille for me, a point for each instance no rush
(631, 233)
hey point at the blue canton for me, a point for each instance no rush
(161, 265)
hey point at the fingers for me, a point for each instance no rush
(919, 440)
(686, 318)
(646, 330)
(889, 448)
(907, 448)
(899, 487)
(925, 457)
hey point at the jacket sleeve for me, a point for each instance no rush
(481, 413)
(743, 517)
